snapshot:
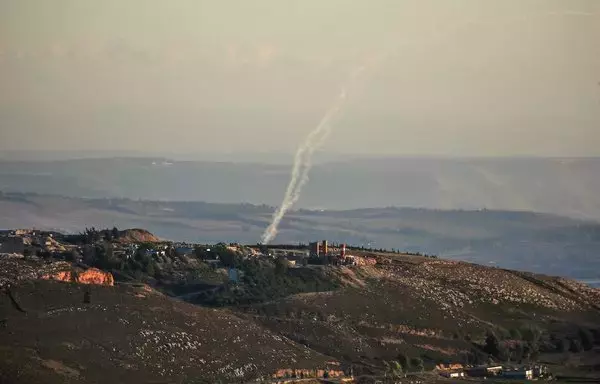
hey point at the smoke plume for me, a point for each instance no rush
(316, 138)
(303, 160)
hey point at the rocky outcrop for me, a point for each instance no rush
(95, 276)
(66, 276)
(13, 270)
(90, 276)
(136, 235)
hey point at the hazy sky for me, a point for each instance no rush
(460, 77)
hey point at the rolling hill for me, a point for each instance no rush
(526, 241)
(130, 337)
(416, 310)
(563, 186)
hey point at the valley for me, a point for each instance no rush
(525, 241)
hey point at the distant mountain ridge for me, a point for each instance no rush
(536, 242)
(564, 186)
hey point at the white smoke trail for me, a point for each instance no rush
(316, 138)
(303, 161)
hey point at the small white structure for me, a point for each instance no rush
(519, 374)
(453, 374)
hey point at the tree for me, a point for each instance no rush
(534, 350)
(73, 256)
(494, 348)
(516, 334)
(115, 233)
(90, 236)
(503, 333)
(150, 270)
(281, 266)
(587, 339)
(138, 275)
(561, 345)
(517, 352)
(476, 357)
(492, 345)
(417, 363)
(596, 334)
(101, 260)
(531, 334)
(404, 361)
(228, 258)
(393, 369)
(575, 346)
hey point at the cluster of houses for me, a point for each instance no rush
(34, 242)
(30, 242)
(528, 372)
(319, 253)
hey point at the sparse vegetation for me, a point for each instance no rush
(587, 339)
(404, 315)
(264, 281)
(393, 369)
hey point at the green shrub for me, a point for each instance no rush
(575, 346)
(262, 281)
(531, 334)
(515, 334)
(587, 339)
(393, 369)
(404, 361)
(562, 345)
(416, 363)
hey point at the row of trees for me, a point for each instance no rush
(385, 250)
(404, 364)
(264, 248)
(137, 266)
(93, 235)
(526, 344)
(264, 280)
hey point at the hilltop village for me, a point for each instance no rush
(93, 247)
(380, 315)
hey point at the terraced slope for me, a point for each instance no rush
(405, 307)
(429, 308)
(128, 335)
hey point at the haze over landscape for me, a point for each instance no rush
(315, 191)
(460, 78)
(460, 105)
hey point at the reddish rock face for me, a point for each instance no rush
(90, 276)
(59, 276)
(96, 276)
(306, 373)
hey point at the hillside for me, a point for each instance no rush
(423, 312)
(128, 334)
(136, 235)
(418, 311)
(518, 240)
(561, 186)
(432, 309)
